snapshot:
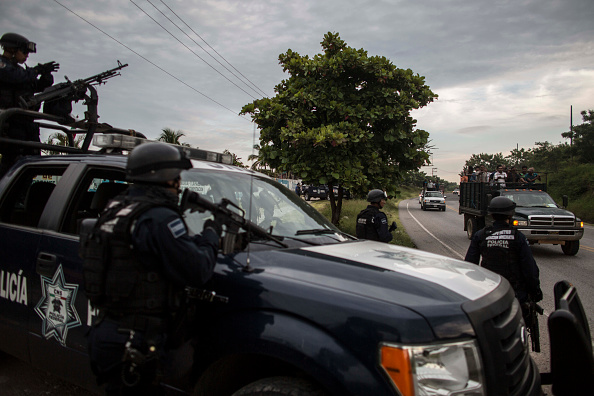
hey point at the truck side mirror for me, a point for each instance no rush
(565, 201)
(572, 362)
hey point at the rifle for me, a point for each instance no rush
(70, 90)
(531, 319)
(233, 219)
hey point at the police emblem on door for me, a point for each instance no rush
(56, 307)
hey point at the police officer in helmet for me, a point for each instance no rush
(506, 251)
(18, 81)
(372, 223)
(138, 258)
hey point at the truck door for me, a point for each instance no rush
(21, 205)
(63, 315)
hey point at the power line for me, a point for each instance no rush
(147, 60)
(189, 49)
(215, 51)
(253, 87)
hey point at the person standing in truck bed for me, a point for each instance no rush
(17, 81)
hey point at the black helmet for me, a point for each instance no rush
(13, 40)
(376, 196)
(502, 205)
(155, 163)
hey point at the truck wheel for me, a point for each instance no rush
(280, 386)
(471, 227)
(423, 207)
(571, 247)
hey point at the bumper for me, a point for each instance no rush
(550, 235)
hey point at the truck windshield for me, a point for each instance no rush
(272, 204)
(532, 199)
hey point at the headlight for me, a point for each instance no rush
(432, 370)
(520, 223)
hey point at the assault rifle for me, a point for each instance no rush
(234, 219)
(70, 90)
(531, 318)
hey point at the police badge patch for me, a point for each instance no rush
(56, 307)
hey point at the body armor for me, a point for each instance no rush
(499, 251)
(366, 228)
(114, 278)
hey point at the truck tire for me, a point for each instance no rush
(571, 247)
(281, 386)
(423, 207)
(471, 227)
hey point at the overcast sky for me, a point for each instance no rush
(506, 72)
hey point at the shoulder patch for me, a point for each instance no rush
(177, 228)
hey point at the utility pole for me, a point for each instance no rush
(571, 132)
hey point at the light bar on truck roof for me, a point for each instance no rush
(123, 142)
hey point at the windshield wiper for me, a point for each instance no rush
(316, 231)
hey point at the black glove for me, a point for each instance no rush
(536, 296)
(215, 225)
(393, 226)
(45, 68)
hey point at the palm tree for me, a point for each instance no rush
(170, 136)
(60, 139)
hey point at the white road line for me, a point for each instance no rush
(434, 237)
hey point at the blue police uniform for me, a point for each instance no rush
(163, 247)
(512, 257)
(16, 81)
(372, 224)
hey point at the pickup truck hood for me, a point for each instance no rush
(382, 271)
(381, 277)
(525, 211)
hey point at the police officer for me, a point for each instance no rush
(17, 81)
(505, 250)
(373, 223)
(138, 258)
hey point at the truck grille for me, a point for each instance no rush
(552, 221)
(497, 320)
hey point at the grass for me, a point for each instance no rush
(352, 207)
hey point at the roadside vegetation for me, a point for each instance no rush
(352, 207)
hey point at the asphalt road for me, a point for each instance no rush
(443, 233)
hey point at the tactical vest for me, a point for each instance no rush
(499, 250)
(366, 228)
(115, 280)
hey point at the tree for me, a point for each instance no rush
(168, 135)
(583, 137)
(489, 160)
(61, 139)
(342, 118)
(236, 159)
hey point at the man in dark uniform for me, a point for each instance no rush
(138, 258)
(15, 82)
(373, 223)
(506, 251)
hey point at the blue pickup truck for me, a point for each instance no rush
(308, 311)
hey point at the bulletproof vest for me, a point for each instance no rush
(366, 228)
(114, 278)
(499, 251)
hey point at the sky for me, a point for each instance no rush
(506, 72)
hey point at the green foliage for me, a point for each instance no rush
(168, 135)
(236, 159)
(343, 118)
(583, 137)
(61, 139)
